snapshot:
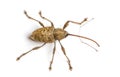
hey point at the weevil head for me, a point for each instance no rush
(60, 34)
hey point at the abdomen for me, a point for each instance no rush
(44, 35)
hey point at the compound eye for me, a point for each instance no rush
(66, 34)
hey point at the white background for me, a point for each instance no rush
(15, 27)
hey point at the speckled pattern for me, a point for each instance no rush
(43, 35)
(48, 34)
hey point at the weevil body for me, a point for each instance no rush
(51, 34)
(48, 34)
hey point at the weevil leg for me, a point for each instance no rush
(66, 24)
(50, 67)
(63, 49)
(33, 19)
(46, 19)
(35, 48)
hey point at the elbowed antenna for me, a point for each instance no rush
(86, 38)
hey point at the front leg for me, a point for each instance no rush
(63, 49)
(66, 24)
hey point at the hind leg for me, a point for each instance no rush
(35, 48)
(46, 19)
(33, 19)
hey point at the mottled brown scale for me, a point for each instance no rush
(50, 34)
(43, 35)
